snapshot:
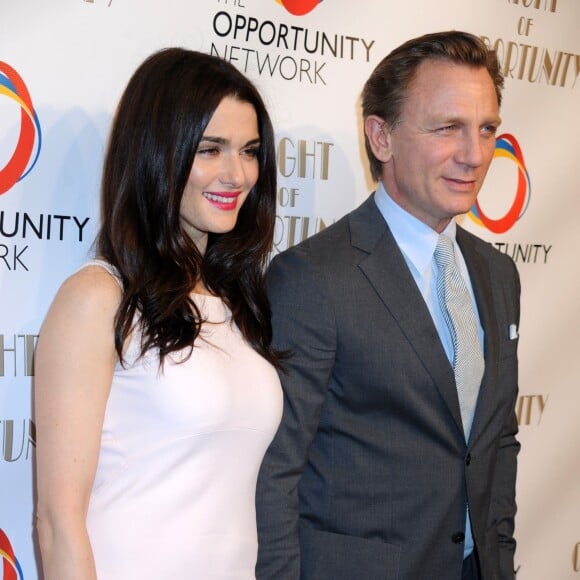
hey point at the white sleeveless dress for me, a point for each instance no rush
(174, 494)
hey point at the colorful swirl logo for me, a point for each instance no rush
(10, 567)
(20, 164)
(299, 7)
(507, 146)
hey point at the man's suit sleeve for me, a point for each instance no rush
(504, 484)
(303, 323)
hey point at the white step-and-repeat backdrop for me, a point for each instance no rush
(63, 66)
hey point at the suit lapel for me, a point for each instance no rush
(388, 273)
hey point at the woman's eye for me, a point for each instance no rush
(207, 151)
(251, 152)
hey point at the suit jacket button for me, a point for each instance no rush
(468, 459)
(458, 537)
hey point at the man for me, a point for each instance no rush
(396, 456)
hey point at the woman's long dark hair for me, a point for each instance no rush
(158, 125)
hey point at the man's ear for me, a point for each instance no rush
(379, 137)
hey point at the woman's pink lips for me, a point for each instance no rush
(227, 201)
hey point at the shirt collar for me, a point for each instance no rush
(416, 240)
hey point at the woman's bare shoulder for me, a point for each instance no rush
(90, 293)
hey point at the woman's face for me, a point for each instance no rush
(225, 169)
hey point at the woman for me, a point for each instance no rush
(156, 389)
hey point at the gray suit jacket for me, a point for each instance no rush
(369, 474)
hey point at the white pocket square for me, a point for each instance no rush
(513, 331)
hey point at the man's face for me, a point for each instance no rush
(441, 147)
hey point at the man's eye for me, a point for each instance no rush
(489, 129)
(447, 128)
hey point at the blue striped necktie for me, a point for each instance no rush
(457, 308)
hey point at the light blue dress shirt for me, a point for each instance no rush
(417, 242)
